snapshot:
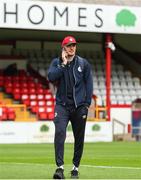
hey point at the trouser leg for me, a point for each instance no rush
(61, 122)
(78, 126)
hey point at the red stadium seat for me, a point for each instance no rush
(32, 90)
(22, 72)
(41, 103)
(40, 97)
(23, 85)
(32, 96)
(8, 78)
(50, 116)
(39, 85)
(11, 115)
(8, 87)
(33, 103)
(25, 99)
(1, 80)
(41, 109)
(31, 85)
(15, 79)
(48, 96)
(47, 91)
(24, 91)
(16, 84)
(3, 115)
(50, 109)
(42, 116)
(30, 79)
(49, 103)
(40, 91)
(35, 109)
(16, 93)
(23, 79)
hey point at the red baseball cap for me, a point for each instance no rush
(68, 40)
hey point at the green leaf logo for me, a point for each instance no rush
(125, 18)
(96, 127)
(44, 128)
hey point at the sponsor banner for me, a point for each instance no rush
(31, 132)
(43, 132)
(99, 131)
(69, 16)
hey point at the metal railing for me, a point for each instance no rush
(120, 123)
(96, 112)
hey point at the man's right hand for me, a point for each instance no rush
(64, 57)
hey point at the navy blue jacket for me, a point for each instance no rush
(83, 88)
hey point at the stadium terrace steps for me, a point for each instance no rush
(11, 111)
(25, 116)
(4, 100)
(28, 91)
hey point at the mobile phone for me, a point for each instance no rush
(64, 50)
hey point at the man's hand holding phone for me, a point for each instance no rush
(64, 56)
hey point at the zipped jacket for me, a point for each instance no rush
(83, 86)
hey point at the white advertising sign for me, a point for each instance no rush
(69, 17)
(99, 132)
(43, 132)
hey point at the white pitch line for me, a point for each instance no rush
(83, 165)
(112, 167)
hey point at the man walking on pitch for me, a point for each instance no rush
(74, 92)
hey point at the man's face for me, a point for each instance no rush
(70, 49)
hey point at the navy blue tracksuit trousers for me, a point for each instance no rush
(77, 117)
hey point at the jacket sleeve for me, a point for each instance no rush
(88, 78)
(55, 71)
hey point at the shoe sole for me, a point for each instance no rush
(56, 176)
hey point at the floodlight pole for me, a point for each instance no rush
(108, 74)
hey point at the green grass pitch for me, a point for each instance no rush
(116, 160)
